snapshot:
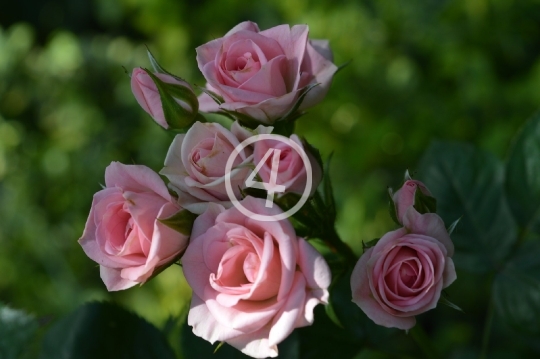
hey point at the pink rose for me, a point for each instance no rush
(406, 195)
(195, 164)
(404, 273)
(291, 171)
(123, 233)
(145, 91)
(253, 282)
(260, 73)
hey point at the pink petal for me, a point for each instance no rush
(313, 266)
(289, 313)
(136, 178)
(243, 26)
(364, 298)
(429, 224)
(205, 326)
(112, 279)
(269, 79)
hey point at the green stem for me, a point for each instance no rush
(335, 243)
(423, 341)
(487, 329)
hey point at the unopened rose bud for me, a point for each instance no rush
(169, 100)
(413, 193)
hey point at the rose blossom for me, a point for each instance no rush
(291, 171)
(195, 164)
(260, 73)
(404, 273)
(147, 95)
(253, 282)
(123, 233)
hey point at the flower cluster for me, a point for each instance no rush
(223, 214)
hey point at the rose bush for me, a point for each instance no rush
(123, 233)
(147, 95)
(195, 164)
(404, 273)
(253, 282)
(291, 171)
(260, 73)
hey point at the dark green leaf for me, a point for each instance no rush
(181, 221)
(284, 128)
(392, 207)
(198, 348)
(325, 340)
(468, 182)
(329, 200)
(452, 226)
(516, 290)
(424, 203)
(342, 66)
(104, 330)
(157, 67)
(293, 113)
(16, 330)
(176, 116)
(214, 96)
(523, 176)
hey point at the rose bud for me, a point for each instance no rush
(412, 194)
(261, 74)
(123, 233)
(180, 111)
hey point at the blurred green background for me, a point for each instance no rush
(466, 70)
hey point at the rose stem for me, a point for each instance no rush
(487, 329)
(421, 338)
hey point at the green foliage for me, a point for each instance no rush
(104, 330)
(468, 182)
(17, 329)
(523, 176)
(516, 290)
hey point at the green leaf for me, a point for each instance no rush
(468, 182)
(16, 330)
(342, 66)
(424, 203)
(198, 348)
(516, 290)
(392, 207)
(293, 113)
(104, 330)
(523, 175)
(214, 96)
(157, 67)
(177, 117)
(181, 221)
(284, 128)
(325, 340)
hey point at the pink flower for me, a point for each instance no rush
(405, 197)
(196, 161)
(404, 273)
(253, 282)
(260, 73)
(291, 171)
(145, 91)
(123, 233)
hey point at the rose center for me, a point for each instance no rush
(407, 274)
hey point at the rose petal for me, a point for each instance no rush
(112, 279)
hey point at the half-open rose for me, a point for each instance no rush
(262, 73)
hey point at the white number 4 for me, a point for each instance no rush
(271, 187)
